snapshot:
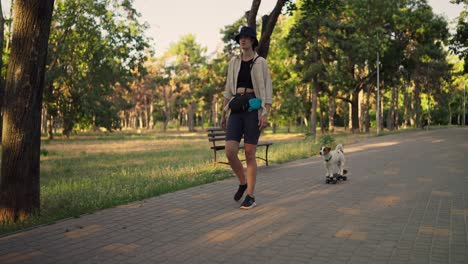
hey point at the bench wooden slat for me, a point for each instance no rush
(218, 147)
(217, 139)
(215, 129)
(214, 134)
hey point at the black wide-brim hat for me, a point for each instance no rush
(247, 31)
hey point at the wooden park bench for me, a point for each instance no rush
(217, 137)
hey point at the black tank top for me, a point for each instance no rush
(244, 79)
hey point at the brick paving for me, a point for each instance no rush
(406, 201)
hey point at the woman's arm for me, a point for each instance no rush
(268, 86)
(224, 113)
(263, 121)
(227, 94)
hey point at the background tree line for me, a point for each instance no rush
(323, 56)
(101, 73)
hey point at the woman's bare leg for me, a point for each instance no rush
(250, 156)
(232, 148)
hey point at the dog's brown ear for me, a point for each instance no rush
(327, 149)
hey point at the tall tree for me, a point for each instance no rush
(459, 42)
(2, 40)
(95, 46)
(268, 23)
(288, 104)
(304, 39)
(357, 39)
(189, 58)
(426, 35)
(19, 185)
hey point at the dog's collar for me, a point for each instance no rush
(327, 160)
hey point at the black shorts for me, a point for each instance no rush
(243, 124)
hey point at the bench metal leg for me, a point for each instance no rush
(214, 155)
(266, 155)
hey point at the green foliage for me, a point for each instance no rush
(44, 152)
(229, 32)
(459, 42)
(93, 47)
(98, 74)
(327, 140)
(188, 69)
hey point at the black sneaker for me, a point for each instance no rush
(240, 192)
(248, 203)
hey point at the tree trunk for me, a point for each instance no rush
(145, 112)
(151, 117)
(322, 122)
(2, 40)
(264, 43)
(190, 120)
(350, 117)
(407, 107)
(95, 126)
(19, 185)
(313, 110)
(203, 119)
(251, 15)
(391, 110)
(416, 115)
(367, 108)
(165, 123)
(146, 118)
(132, 122)
(355, 111)
(214, 111)
(450, 115)
(127, 119)
(397, 108)
(67, 125)
(361, 111)
(381, 111)
(135, 119)
(123, 116)
(331, 113)
(183, 118)
(167, 114)
(140, 120)
(44, 121)
(50, 126)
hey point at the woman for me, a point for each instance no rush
(247, 74)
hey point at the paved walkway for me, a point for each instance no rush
(406, 202)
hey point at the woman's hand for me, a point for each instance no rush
(223, 122)
(263, 122)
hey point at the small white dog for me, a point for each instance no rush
(334, 160)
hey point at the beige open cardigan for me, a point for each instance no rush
(261, 81)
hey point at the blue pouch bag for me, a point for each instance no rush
(255, 104)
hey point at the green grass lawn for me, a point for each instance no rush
(94, 171)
